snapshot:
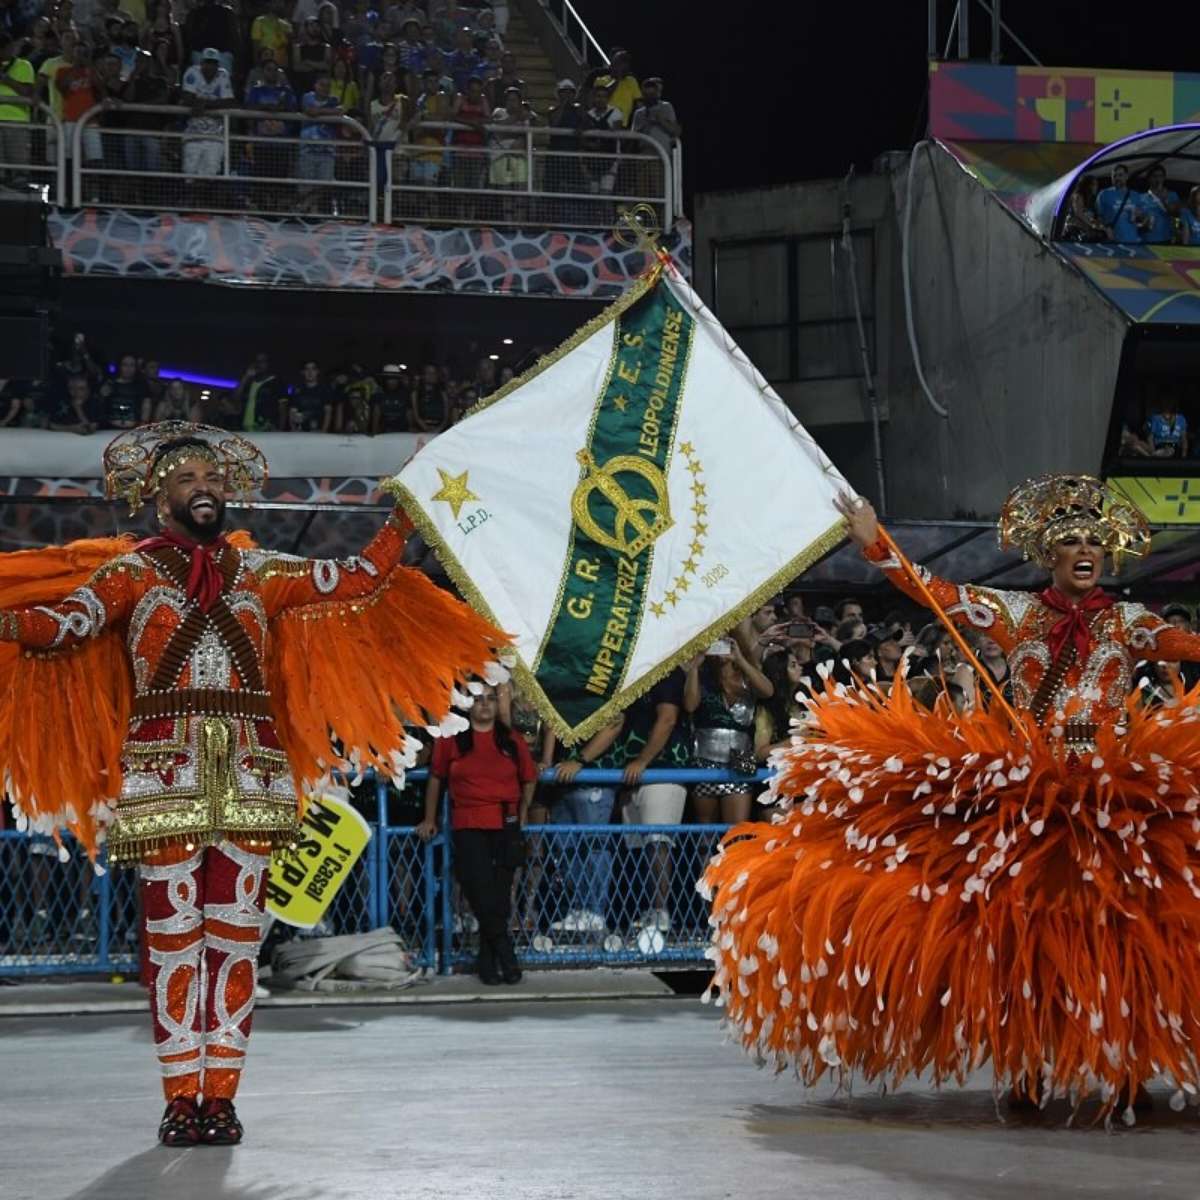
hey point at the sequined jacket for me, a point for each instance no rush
(201, 759)
(1079, 695)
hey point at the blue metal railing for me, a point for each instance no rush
(62, 918)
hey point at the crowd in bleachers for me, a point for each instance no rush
(1132, 209)
(401, 72)
(86, 393)
(1154, 424)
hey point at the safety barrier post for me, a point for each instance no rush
(446, 957)
(381, 862)
(102, 898)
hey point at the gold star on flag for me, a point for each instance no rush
(681, 584)
(697, 547)
(698, 489)
(691, 566)
(699, 509)
(687, 448)
(620, 403)
(454, 491)
(658, 610)
(672, 599)
(694, 467)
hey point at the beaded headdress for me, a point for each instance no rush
(135, 464)
(1039, 513)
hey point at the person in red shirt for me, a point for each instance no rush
(491, 777)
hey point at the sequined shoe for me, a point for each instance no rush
(219, 1124)
(179, 1126)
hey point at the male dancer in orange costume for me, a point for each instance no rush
(195, 682)
(941, 890)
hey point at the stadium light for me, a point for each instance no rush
(507, 341)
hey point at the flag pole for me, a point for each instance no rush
(914, 577)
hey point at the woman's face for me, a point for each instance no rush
(730, 676)
(176, 390)
(864, 667)
(795, 671)
(483, 711)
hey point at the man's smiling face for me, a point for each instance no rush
(195, 499)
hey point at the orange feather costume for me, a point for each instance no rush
(180, 697)
(940, 890)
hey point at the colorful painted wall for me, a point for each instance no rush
(979, 102)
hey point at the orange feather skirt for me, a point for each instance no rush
(938, 892)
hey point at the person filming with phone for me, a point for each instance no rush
(721, 690)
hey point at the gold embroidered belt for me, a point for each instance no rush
(203, 702)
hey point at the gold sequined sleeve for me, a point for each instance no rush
(289, 583)
(105, 599)
(994, 613)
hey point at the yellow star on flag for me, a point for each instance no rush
(454, 491)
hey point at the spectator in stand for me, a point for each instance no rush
(625, 91)
(466, 400)
(259, 393)
(206, 90)
(309, 409)
(410, 54)
(358, 393)
(432, 106)
(435, 61)
(1119, 207)
(305, 11)
(993, 658)
(563, 173)
(1082, 224)
(856, 661)
(156, 385)
(272, 31)
(344, 89)
(123, 397)
(164, 57)
(161, 25)
(508, 76)
(489, 67)
(339, 47)
(934, 652)
(485, 32)
(392, 402)
(775, 716)
(19, 406)
(147, 84)
(491, 777)
(448, 18)
(175, 405)
(124, 44)
(600, 167)
(469, 160)
(655, 118)
(41, 44)
(721, 690)
(1190, 219)
(312, 55)
(889, 650)
(49, 95)
(852, 629)
(18, 92)
(428, 410)
(271, 158)
(1161, 205)
(317, 157)
(77, 412)
(463, 62)
(212, 25)
(389, 115)
(1167, 428)
(509, 170)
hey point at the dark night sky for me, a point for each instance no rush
(771, 92)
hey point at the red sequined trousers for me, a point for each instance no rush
(204, 915)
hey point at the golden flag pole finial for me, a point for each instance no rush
(638, 228)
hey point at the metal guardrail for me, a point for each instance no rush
(528, 175)
(236, 168)
(62, 918)
(39, 158)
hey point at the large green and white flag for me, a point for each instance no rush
(624, 503)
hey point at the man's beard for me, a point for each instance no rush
(208, 531)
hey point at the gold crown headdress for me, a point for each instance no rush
(1042, 512)
(135, 465)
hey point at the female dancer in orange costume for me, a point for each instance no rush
(942, 890)
(177, 695)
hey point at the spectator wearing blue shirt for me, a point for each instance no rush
(1162, 206)
(271, 94)
(1190, 219)
(1167, 429)
(318, 153)
(463, 61)
(1119, 207)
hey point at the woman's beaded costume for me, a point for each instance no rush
(941, 890)
(176, 699)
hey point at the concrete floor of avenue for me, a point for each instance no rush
(551, 1100)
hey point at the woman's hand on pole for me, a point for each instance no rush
(861, 522)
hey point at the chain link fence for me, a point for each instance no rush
(33, 151)
(588, 895)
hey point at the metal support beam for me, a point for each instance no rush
(996, 23)
(964, 30)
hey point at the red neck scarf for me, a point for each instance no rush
(1074, 625)
(205, 581)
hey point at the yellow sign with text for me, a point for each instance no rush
(301, 885)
